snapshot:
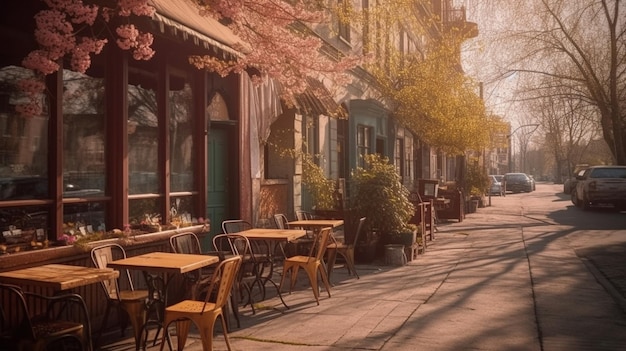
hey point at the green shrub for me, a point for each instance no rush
(379, 195)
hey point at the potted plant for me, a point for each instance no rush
(321, 189)
(378, 194)
(476, 184)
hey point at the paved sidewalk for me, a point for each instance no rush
(517, 285)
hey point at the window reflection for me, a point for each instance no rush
(181, 140)
(143, 140)
(83, 135)
(23, 142)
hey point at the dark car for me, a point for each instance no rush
(518, 182)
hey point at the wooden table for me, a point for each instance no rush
(165, 262)
(316, 224)
(158, 269)
(284, 235)
(58, 277)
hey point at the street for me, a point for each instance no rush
(529, 272)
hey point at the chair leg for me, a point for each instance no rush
(206, 332)
(137, 315)
(325, 279)
(221, 316)
(332, 257)
(349, 257)
(312, 273)
(105, 320)
(182, 331)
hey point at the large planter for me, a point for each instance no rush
(366, 250)
(405, 238)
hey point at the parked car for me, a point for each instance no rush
(532, 180)
(496, 187)
(570, 183)
(518, 182)
(600, 186)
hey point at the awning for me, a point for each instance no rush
(183, 16)
(317, 100)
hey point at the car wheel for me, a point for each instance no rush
(573, 197)
(586, 206)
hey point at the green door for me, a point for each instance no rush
(218, 177)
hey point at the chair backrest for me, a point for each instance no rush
(359, 229)
(303, 215)
(281, 221)
(101, 256)
(321, 242)
(15, 323)
(223, 278)
(187, 243)
(43, 318)
(222, 244)
(235, 225)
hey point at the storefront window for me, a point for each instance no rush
(83, 151)
(23, 162)
(181, 138)
(23, 142)
(144, 213)
(83, 134)
(143, 139)
(181, 211)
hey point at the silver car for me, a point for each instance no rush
(600, 186)
(495, 186)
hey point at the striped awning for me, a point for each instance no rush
(182, 17)
(317, 100)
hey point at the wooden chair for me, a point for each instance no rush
(204, 314)
(41, 323)
(346, 251)
(198, 279)
(131, 301)
(312, 264)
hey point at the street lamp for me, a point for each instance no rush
(510, 144)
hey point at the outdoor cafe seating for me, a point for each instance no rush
(312, 264)
(345, 250)
(42, 323)
(204, 314)
(130, 300)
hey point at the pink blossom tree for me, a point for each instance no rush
(278, 46)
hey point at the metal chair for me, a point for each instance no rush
(281, 221)
(199, 279)
(346, 251)
(312, 264)
(41, 323)
(303, 215)
(204, 314)
(235, 225)
(131, 301)
(297, 247)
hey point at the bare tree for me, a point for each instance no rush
(577, 48)
(581, 46)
